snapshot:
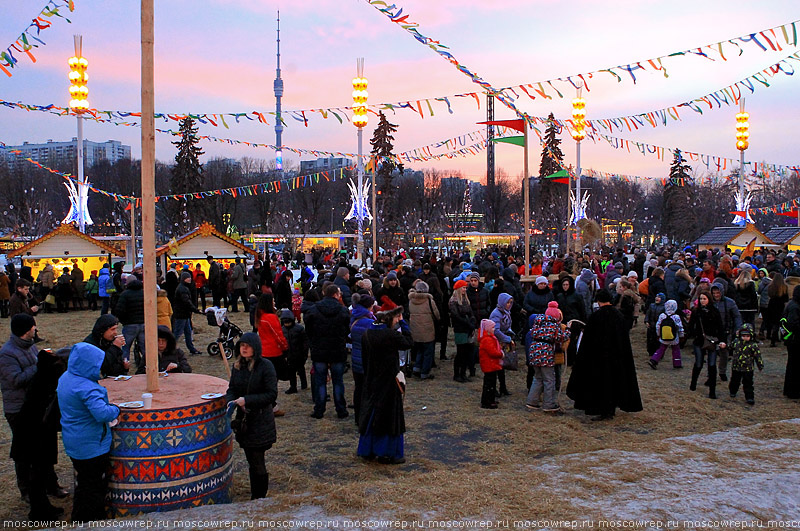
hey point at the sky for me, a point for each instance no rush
(218, 56)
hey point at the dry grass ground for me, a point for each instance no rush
(465, 462)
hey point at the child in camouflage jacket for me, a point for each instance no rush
(744, 353)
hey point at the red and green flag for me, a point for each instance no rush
(561, 177)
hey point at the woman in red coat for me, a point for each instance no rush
(273, 342)
(491, 356)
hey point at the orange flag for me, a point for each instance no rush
(749, 250)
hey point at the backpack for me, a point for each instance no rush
(110, 287)
(668, 331)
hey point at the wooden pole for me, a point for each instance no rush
(374, 218)
(133, 233)
(526, 192)
(149, 196)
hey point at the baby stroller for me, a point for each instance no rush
(229, 333)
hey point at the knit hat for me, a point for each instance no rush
(474, 274)
(541, 280)
(460, 284)
(93, 273)
(391, 275)
(21, 324)
(633, 274)
(286, 314)
(486, 326)
(553, 311)
(363, 299)
(661, 295)
(185, 275)
(421, 287)
(618, 265)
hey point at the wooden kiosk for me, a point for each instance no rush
(65, 246)
(194, 247)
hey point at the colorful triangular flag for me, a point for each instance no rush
(519, 124)
(516, 140)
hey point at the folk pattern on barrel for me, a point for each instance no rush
(169, 432)
(214, 489)
(171, 459)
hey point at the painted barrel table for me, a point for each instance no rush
(175, 455)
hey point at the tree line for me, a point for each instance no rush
(410, 203)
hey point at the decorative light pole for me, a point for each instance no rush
(742, 143)
(359, 191)
(578, 210)
(78, 103)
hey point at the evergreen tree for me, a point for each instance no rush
(187, 176)
(678, 217)
(382, 150)
(549, 199)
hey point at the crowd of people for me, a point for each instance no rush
(383, 324)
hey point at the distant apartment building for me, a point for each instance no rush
(65, 152)
(324, 164)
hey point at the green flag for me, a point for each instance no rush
(559, 173)
(517, 140)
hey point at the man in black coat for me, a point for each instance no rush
(182, 309)
(328, 325)
(604, 376)
(107, 337)
(130, 311)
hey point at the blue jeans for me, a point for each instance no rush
(131, 332)
(320, 383)
(424, 359)
(184, 327)
(699, 354)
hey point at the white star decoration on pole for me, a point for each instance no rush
(359, 210)
(77, 206)
(742, 205)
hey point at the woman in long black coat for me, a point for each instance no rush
(254, 390)
(705, 320)
(42, 423)
(381, 421)
(791, 385)
(604, 376)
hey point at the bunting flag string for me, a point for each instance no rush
(787, 206)
(711, 162)
(274, 186)
(729, 96)
(770, 36)
(29, 38)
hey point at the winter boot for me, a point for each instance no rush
(458, 372)
(259, 485)
(695, 374)
(712, 382)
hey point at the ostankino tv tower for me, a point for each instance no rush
(278, 86)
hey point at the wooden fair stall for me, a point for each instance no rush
(204, 241)
(734, 238)
(66, 246)
(785, 237)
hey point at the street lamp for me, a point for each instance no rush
(78, 103)
(578, 134)
(360, 210)
(742, 143)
